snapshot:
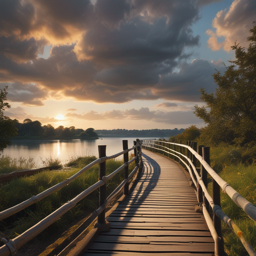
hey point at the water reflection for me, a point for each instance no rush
(64, 149)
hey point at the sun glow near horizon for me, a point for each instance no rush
(60, 117)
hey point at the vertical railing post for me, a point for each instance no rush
(139, 156)
(188, 152)
(216, 220)
(194, 158)
(126, 168)
(135, 154)
(103, 189)
(206, 157)
(200, 191)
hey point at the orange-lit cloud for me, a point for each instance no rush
(232, 25)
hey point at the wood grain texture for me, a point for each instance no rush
(157, 218)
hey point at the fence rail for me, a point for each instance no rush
(11, 246)
(188, 156)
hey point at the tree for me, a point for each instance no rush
(232, 109)
(89, 134)
(7, 126)
(191, 133)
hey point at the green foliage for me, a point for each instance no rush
(80, 162)
(89, 134)
(232, 114)
(243, 179)
(52, 163)
(7, 128)
(191, 133)
(23, 188)
(8, 164)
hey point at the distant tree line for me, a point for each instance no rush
(140, 133)
(34, 129)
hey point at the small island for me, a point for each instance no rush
(89, 134)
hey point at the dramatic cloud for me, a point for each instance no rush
(106, 51)
(178, 117)
(233, 25)
(28, 94)
(72, 109)
(185, 84)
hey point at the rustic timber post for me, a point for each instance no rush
(199, 189)
(188, 152)
(194, 146)
(140, 156)
(175, 149)
(126, 171)
(135, 154)
(206, 157)
(103, 189)
(216, 220)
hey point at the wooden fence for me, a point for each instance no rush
(198, 166)
(11, 246)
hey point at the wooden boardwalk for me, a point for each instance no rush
(158, 217)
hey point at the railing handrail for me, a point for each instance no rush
(12, 245)
(34, 199)
(216, 208)
(243, 203)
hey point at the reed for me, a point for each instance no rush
(23, 188)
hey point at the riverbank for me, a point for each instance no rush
(21, 189)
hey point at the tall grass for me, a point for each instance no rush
(237, 166)
(243, 179)
(8, 164)
(23, 188)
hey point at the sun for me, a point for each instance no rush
(60, 117)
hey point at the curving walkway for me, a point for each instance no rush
(158, 217)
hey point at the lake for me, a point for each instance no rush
(64, 150)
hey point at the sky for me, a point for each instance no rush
(116, 64)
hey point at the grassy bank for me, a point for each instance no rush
(8, 164)
(237, 166)
(21, 189)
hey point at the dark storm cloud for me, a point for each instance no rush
(16, 17)
(21, 50)
(111, 12)
(113, 51)
(60, 70)
(185, 84)
(29, 94)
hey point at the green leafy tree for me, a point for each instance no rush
(7, 126)
(191, 133)
(230, 113)
(89, 134)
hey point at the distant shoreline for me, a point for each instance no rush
(76, 138)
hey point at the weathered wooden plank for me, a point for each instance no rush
(184, 247)
(157, 217)
(159, 226)
(134, 232)
(158, 220)
(99, 253)
(148, 239)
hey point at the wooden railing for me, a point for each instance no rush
(188, 156)
(11, 246)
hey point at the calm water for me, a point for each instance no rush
(64, 149)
